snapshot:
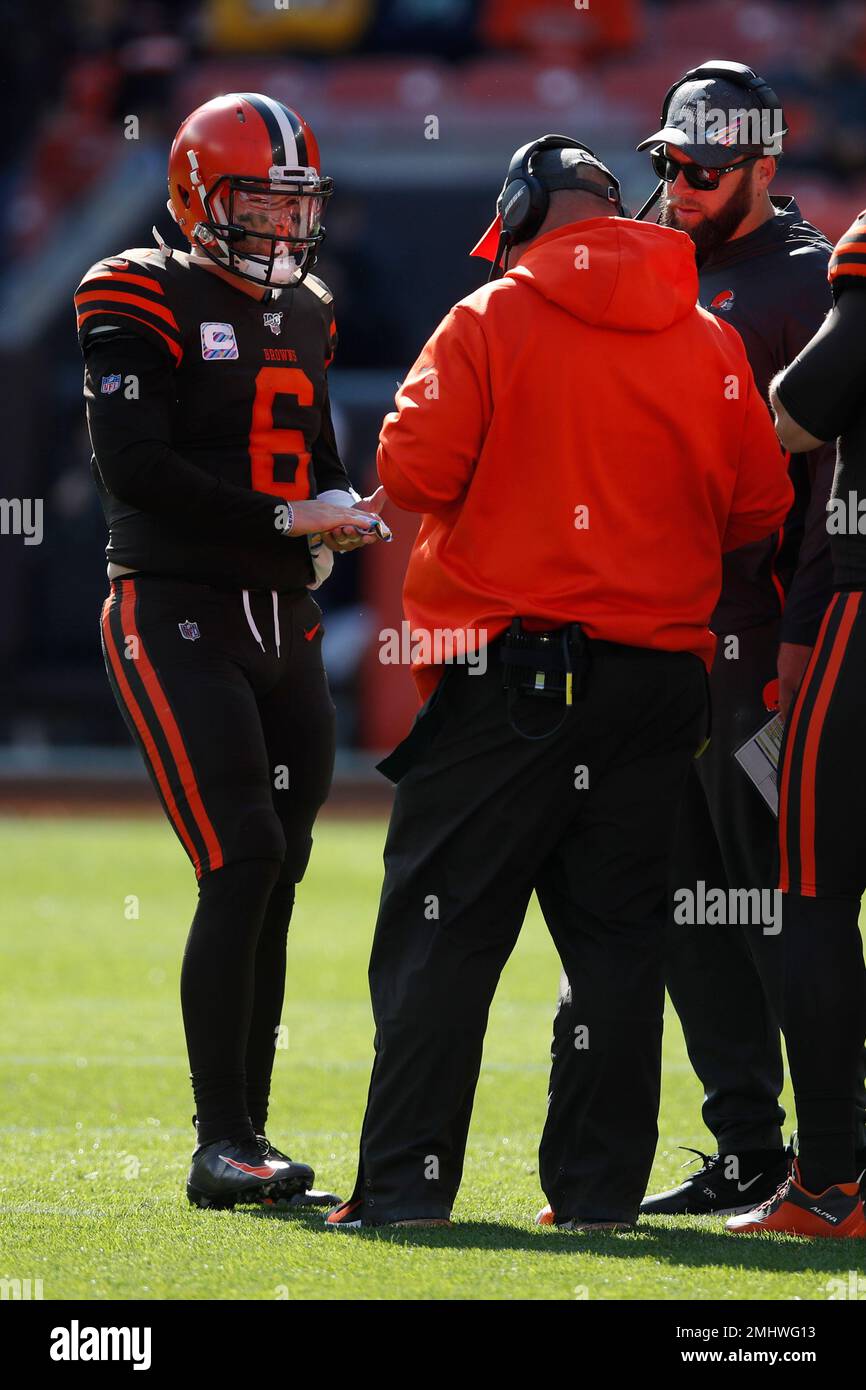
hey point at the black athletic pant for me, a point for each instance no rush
(822, 839)
(226, 696)
(726, 980)
(482, 817)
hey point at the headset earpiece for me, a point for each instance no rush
(524, 201)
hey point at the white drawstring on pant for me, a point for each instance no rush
(276, 619)
(252, 622)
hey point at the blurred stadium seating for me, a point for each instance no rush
(80, 181)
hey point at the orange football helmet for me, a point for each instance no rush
(244, 186)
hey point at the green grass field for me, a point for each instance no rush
(96, 1128)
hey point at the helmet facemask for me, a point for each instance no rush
(265, 230)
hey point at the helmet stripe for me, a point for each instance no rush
(296, 126)
(265, 109)
(284, 128)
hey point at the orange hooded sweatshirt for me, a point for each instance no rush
(584, 442)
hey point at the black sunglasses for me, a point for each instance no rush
(695, 175)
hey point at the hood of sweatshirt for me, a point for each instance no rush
(612, 271)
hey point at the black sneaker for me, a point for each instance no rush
(227, 1171)
(294, 1190)
(711, 1192)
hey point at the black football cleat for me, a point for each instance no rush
(294, 1191)
(711, 1192)
(228, 1171)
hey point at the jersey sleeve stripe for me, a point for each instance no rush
(855, 247)
(855, 241)
(851, 246)
(123, 277)
(841, 267)
(120, 297)
(175, 348)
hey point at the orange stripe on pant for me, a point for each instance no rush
(168, 723)
(799, 701)
(813, 738)
(145, 736)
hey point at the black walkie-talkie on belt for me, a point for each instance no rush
(550, 663)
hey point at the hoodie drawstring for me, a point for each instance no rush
(276, 620)
(252, 623)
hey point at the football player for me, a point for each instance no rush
(218, 471)
(822, 825)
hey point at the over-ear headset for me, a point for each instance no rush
(525, 198)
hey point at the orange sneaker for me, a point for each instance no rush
(547, 1217)
(343, 1217)
(347, 1217)
(837, 1212)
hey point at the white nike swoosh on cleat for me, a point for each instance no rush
(741, 1186)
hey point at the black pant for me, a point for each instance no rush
(726, 981)
(237, 737)
(226, 696)
(722, 978)
(483, 817)
(822, 835)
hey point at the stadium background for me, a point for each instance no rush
(368, 75)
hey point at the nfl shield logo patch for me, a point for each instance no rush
(274, 321)
(189, 630)
(110, 383)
